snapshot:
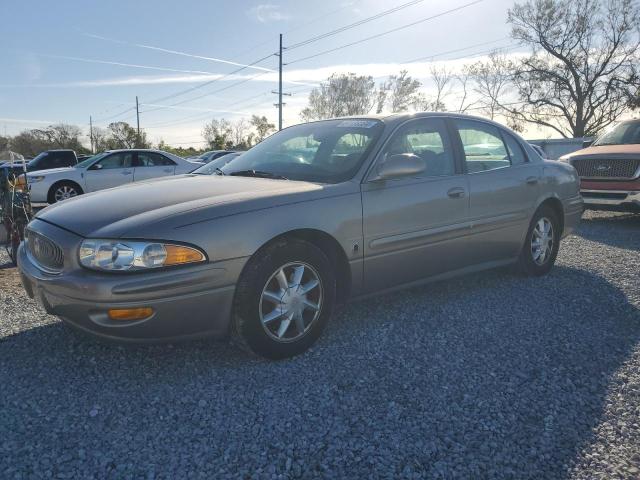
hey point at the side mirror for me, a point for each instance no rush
(96, 166)
(587, 142)
(401, 165)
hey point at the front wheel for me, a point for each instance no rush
(284, 299)
(542, 243)
(63, 191)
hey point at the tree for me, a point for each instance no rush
(492, 80)
(100, 139)
(217, 134)
(583, 72)
(341, 95)
(123, 135)
(404, 92)
(262, 126)
(239, 134)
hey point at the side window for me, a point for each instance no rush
(150, 159)
(116, 160)
(483, 147)
(517, 155)
(428, 139)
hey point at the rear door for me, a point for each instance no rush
(415, 227)
(111, 171)
(150, 165)
(504, 188)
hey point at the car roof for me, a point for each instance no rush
(397, 118)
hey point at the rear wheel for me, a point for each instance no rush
(284, 299)
(542, 243)
(63, 191)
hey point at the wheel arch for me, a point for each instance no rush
(556, 204)
(330, 247)
(59, 182)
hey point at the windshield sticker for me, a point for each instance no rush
(357, 123)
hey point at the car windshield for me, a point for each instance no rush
(330, 151)
(626, 133)
(37, 158)
(89, 161)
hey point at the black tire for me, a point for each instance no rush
(51, 197)
(527, 263)
(247, 327)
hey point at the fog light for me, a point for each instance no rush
(129, 314)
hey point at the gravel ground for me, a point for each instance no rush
(488, 376)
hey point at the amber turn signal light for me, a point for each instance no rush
(129, 314)
(178, 255)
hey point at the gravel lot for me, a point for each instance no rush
(488, 376)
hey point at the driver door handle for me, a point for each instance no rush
(532, 180)
(456, 192)
(126, 172)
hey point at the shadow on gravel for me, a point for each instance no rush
(490, 375)
(620, 230)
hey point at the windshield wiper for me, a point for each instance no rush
(257, 174)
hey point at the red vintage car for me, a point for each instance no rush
(609, 169)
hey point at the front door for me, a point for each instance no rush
(111, 171)
(415, 227)
(504, 188)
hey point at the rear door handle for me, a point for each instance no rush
(127, 172)
(456, 192)
(532, 180)
(168, 170)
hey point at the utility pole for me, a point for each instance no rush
(91, 133)
(279, 92)
(138, 119)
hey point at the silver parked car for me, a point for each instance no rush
(105, 170)
(265, 246)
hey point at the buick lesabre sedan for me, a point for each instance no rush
(264, 247)
(105, 170)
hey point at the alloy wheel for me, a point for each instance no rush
(291, 301)
(65, 192)
(542, 241)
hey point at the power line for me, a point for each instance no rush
(191, 89)
(354, 24)
(300, 26)
(429, 57)
(393, 30)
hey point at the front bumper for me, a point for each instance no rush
(611, 199)
(187, 302)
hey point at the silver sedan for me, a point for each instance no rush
(264, 247)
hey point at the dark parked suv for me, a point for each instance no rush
(53, 159)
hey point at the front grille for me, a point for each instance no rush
(617, 169)
(45, 252)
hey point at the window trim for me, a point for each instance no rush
(369, 176)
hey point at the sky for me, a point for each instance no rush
(68, 60)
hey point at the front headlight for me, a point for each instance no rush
(35, 179)
(124, 255)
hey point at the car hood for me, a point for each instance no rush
(114, 212)
(50, 171)
(608, 151)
